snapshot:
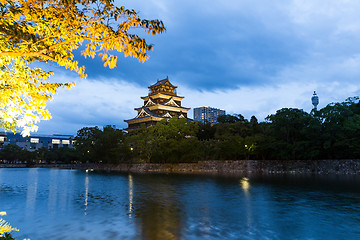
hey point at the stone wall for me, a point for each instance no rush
(343, 167)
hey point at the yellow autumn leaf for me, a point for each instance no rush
(49, 31)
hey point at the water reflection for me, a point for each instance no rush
(86, 192)
(131, 192)
(133, 206)
(32, 183)
(64, 184)
(245, 186)
(158, 211)
(53, 190)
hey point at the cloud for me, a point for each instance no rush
(244, 57)
(92, 103)
(110, 101)
(213, 44)
(262, 101)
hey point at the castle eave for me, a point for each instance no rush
(163, 95)
(168, 108)
(143, 119)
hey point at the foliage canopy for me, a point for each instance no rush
(332, 132)
(49, 31)
(5, 228)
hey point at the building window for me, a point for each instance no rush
(2, 139)
(65, 141)
(34, 140)
(55, 141)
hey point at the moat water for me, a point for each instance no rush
(73, 204)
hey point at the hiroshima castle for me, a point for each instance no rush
(162, 102)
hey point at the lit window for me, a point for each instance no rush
(65, 141)
(2, 139)
(34, 140)
(55, 141)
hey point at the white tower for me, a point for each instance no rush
(315, 100)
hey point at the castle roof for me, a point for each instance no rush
(162, 94)
(162, 82)
(161, 103)
(164, 105)
(144, 112)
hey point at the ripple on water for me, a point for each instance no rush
(59, 204)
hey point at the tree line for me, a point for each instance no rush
(333, 132)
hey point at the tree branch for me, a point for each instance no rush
(23, 54)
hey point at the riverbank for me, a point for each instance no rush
(317, 167)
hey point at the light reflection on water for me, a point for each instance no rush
(245, 185)
(53, 191)
(86, 192)
(131, 192)
(72, 204)
(32, 183)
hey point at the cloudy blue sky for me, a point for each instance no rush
(249, 57)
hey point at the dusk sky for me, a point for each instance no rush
(247, 57)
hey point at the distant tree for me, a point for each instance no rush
(340, 132)
(142, 143)
(11, 153)
(231, 118)
(254, 124)
(62, 155)
(290, 133)
(170, 140)
(288, 127)
(41, 154)
(107, 145)
(27, 157)
(206, 131)
(241, 128)
(84, 143)
(231, 147)
(230, 134)
(111, 146)
(261, 143)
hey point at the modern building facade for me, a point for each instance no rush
(162, 102)
(207, 114)
(34, 142)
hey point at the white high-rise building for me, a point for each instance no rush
(207, 114)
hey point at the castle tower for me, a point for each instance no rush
(162, 102)
(315, 100)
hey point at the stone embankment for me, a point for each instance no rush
(321, 167)
(343, 167)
